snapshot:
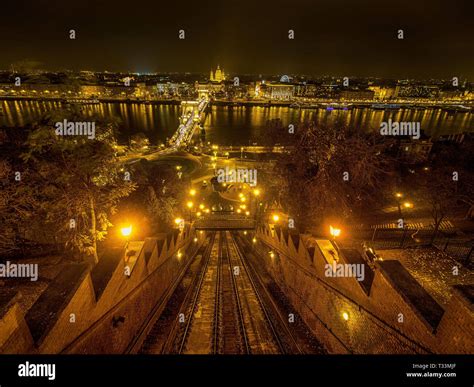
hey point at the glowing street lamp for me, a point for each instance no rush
(399, 195)
(192, 192)
(335, 232)
(126, 231)
(180, 223)
(275, 218)
(189, 204)
(408, 205)
(256, 192)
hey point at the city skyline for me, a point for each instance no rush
(339, 39)
(257, 179)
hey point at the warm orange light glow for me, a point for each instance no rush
(335, 232)
(254, 240)
(126, 231)
(408, 205)
(189, 204)
(275, 218)
(256, 192)
(192, 192)
(398, 195)
(201, 206)
(178, 220)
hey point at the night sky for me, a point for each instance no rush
(332, 37)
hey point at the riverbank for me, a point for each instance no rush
(329, 104)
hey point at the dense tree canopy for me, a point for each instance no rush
(330, 172)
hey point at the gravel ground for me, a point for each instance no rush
(433, 269)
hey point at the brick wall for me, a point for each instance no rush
(373, 325)
(107, 321)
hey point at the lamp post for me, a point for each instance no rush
(256, 194)
(190, 206)
(406, 205)
(335, 232)
(126, 233)
(399, 195)
(179, 223)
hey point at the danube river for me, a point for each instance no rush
(240, 125)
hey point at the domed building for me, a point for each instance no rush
(218, 75)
